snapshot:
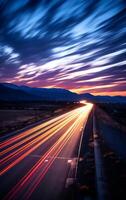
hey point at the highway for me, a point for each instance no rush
(36, 163)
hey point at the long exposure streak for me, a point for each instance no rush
(28, 141)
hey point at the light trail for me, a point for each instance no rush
(42, 136)
(25, 147)
(37, 133)
(39, 178)
(62, 141)
(35, 175)
(34, 129)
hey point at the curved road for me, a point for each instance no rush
(35, 163)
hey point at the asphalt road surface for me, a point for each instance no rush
(37, 163)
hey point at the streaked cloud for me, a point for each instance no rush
(77, 45)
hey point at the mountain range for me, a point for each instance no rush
(12, 92)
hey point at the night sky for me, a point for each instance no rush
(79, 45)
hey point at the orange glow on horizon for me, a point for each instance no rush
(106, 93)
(102, 90)
(114, 93)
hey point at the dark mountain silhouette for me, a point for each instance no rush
(11, 92)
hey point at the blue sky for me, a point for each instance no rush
(74, 44)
